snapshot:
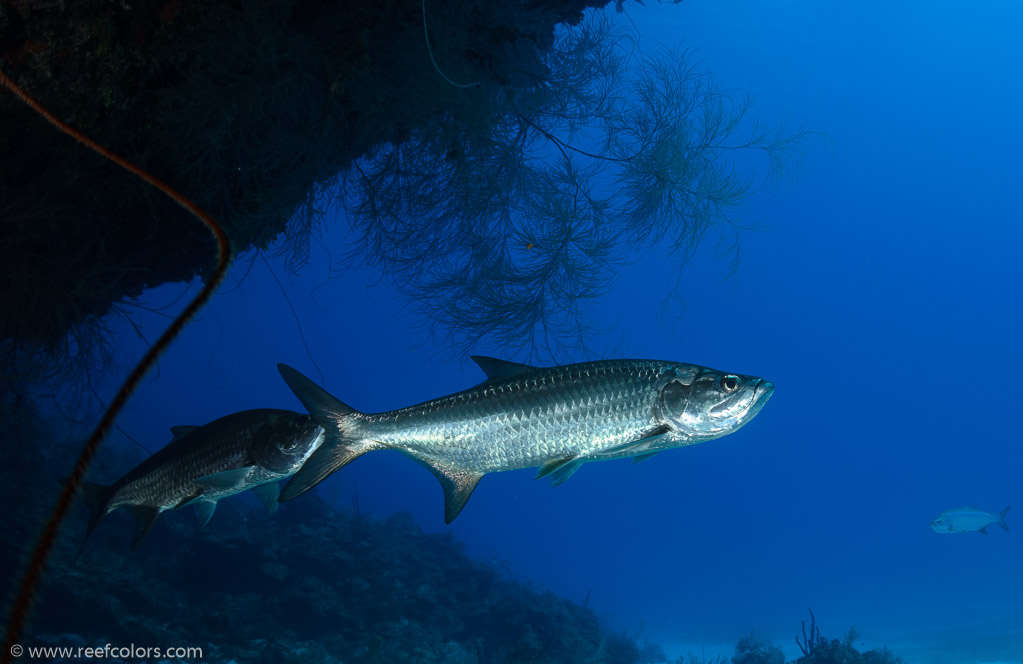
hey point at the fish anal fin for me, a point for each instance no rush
(983, 531)
(226, 479)
(268, 494)
(456, 483)
(145, 517)
(458, 487)
(204, 510)
(182, 430)
(496, 369)
(552, 465)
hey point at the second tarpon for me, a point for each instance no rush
(253, 449)
(522, 416)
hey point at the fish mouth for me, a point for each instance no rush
(762, 391)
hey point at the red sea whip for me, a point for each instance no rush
(37, 563)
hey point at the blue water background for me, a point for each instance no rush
(883, 301)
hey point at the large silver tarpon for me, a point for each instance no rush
(522, 416)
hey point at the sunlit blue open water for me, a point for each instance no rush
(882, 299)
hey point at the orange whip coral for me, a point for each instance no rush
(37, 563)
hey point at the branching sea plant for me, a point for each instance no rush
(810, 641)
(510, 230)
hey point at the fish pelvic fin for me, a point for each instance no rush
(1001, 518)
(97, 498)
(204, 511)
(268, 494)
(558, 470)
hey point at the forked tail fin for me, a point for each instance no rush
(96, 497)
(338, 449)
(1001, 517)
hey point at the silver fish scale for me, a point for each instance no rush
(528, 419)
(168, 485)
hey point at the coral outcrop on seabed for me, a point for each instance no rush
(308, 584)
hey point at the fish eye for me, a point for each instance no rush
(300, 421)
(730, 383)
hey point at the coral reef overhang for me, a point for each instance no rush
(243, 107)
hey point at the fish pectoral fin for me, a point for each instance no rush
(145, 517)
(268, 495)
(644, 457)
(552, 465)
(641, 447)
(496, 369)
(182, 430)
(188, 500)
(226, 479)
(204, 510)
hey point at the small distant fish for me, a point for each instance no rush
(522, 416)
(253, 449)
(968, 520)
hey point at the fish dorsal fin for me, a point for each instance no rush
(500, 369)
(145, 517)
(227, 479)
(268, 495)
(204, 510)
(182, 430)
